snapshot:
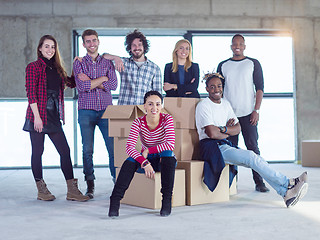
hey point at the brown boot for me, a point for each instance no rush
(43, 192)
(74, 193)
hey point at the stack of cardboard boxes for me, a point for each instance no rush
(143, 192)
(189, 188)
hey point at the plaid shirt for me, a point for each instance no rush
(136, 81)
(36, 87)
(95, 99)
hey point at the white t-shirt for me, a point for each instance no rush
(210, 113)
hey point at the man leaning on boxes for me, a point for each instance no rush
(215, 121)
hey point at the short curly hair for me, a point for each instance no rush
(208, 76)
(132, 36)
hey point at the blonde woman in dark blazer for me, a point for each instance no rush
(181, 76)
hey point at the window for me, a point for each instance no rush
(274, 52)
(272, 49)
(160, 52)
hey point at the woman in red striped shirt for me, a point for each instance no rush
(156, 132)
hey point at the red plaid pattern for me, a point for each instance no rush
(36, 88)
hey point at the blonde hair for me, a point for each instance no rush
(188, 62)
(57, 59)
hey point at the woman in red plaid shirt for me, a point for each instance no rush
(45, 82)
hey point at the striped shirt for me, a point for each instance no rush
(95, 99)
(136, 81)
(157, 140)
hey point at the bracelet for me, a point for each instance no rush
(145, 163)
(225, 131)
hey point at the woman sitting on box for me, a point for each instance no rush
(157, 136)
(181, 77)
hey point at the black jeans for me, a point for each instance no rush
(60, 142)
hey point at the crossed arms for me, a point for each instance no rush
(230, 129)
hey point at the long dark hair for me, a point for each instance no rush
(58, 62)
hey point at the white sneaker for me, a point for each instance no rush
(297, 188)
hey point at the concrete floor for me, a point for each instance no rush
(248, 215)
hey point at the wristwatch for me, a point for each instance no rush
(257, 110)
(222, 129)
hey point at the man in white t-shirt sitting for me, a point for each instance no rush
(216, 120)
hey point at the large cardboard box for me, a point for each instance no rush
(145, 192)
(121, 117)
(182, 110)
(196, 191)
(120, 154)
(310, 152)
(187, 144)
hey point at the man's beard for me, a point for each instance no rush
(137, 55)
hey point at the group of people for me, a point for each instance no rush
(219, 120)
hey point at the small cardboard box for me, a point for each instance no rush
(233, 188)
(196, 191)
(310, 152)
(121, 118)
(145, 192)
(182, 110)
(120, 154)
(187, 144)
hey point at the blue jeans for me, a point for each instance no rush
(154, 159)
(88, 120)
(250, 137)
(249, 159)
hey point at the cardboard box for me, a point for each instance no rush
(121, 117)
(233, 188)
(120, 154)
(145, 192)
(310, 152)
(187, 144)
(182, 110)
(196, 191)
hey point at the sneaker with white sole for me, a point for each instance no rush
(297, 188)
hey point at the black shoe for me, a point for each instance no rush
(113, 213)
(114, 208)
(90, 189)
(261, 187)
(165, 210)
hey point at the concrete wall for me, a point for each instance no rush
(23, 22)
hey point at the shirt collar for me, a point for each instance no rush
(41, 61)
(89, 58)
(146, 61)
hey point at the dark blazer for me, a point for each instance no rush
(173, 78)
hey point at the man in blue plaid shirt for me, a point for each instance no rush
(138, 74)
